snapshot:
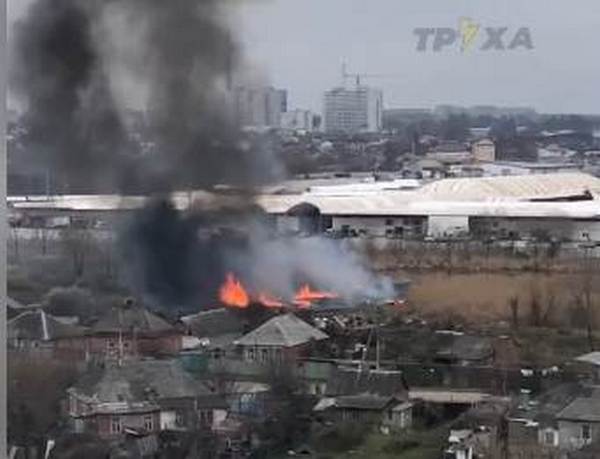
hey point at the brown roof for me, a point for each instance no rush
(352, 381)
(215, 322)
(129, 319)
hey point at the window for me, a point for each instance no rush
(115, 425)
(206, 417)
(389, 221)
(149, 422)
(265, 355)
(72, 405)
(549, 437)
(179, 419)
(586, 432)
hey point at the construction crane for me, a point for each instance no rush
(358, 76)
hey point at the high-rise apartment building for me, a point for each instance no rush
(351, 110)
(259, 106)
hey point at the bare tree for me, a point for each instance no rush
(535, 308)
(513, 304)
(76, 245)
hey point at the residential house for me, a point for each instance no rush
(484, 150)
(248, 398)
(588, 365)
(216, 329)
(35, 331)
(456, 348)
(283, 337)
(387, 413)
(144, 395)
(561, 420)
(479, 431)
(131, 330)
(579, 421)
(591, 451)
(373, 397)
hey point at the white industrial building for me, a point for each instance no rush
(352, 110)
(560, 206)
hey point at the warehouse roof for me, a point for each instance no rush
(508, 196)
(400, 204)
(520, 187)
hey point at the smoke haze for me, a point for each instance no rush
(71, 58)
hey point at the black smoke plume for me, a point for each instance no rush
(72, 58)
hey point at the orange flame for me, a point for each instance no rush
(268, 300)
(301, 304)
(233, 293)
(305, 296)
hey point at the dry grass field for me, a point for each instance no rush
(485, 297)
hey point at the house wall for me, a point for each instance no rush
(267, 354)
(108, 345)
(381, 226)
(107, 425)
(440, 226)
(218, 417)
(168, 420)
(400, 419)
(131, 420)
(408, 227)
(570, 434)
(484, 151)
(361, 416)
(564, 229)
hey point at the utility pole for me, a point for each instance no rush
(120, 356)
(587, 292)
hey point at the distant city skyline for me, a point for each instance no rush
(300, 46)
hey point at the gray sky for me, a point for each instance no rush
(300, 45)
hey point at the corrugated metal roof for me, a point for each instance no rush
(487, 196)
(395, 204)
(521, 187)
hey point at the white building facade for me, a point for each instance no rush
(297, 120)
(353, 110)
(259, 107)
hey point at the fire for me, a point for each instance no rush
(233, 293)
(305, 296)
(301, 304)
(268, 300)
